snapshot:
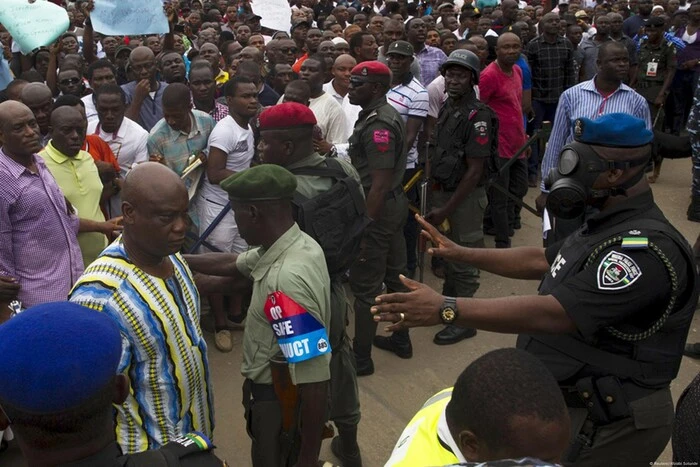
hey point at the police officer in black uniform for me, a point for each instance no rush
(615, 302)
(58, 398)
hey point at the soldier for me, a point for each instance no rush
(610, 331)
(461, 145)
(378, 152)
(58, 398)
(657, 66)
(286, 353)
(291, 125)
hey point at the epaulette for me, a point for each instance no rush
(635, 241)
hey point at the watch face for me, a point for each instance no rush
(448, 314)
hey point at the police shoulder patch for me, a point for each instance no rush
(617, 271)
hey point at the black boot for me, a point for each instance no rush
(453, 334)
(345, 447)
(692, 350)
(363, 360)
(399, 343)
(694, 209)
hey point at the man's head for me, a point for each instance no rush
(644, 7)
(287, 51)
(327, 49)
(399, 57)
(574, 33)
(341, 46)
(507, 405)
(69, 43)
(68, 127)
(15, 88)
(461, 72)
(69, 81)
(342, 69)
(360, 19)
(299, 31)
(484, 25)
(110, 103)
(482, 48)
(376, 25)
(154, 43)
(241, 96)
(202, 82)
(602, 25)
(508, 48)
(251, 54)
(37, 96)
(613, 61)
(261, 201)
(297, 91)
(172, 67)
(19, 131)
(550, 24)
(101, 72)
(448, 42)
(154, 206)
(416, 32)
(615, 23)
(450, 23)
(286, 133)
(363, 46)
(211, 54)
(177, 107)
(606, 159)
(313, 71)
(654, 27)
(142, 63)
(243, 34)
(257, 41)
(58, 398)
(369, 81)
(393, 31)
(281, 75)
(313, 39)
(40, 61)
(510, 11)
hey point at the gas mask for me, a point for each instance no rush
(570, 184)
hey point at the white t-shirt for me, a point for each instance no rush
(410, 100)
(350, 111)
(330, 118)
(239, 144)
(90, 110)
(128, 143)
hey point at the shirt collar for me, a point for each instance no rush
(444, 435)
(590, 86)
(270, 256)
(58, 156)
(373, 106)
(312, 160)
(625, 210)
(16, 169)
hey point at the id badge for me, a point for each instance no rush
(652, 69)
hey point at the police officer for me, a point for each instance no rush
(657, 66)
(460, 149)
(615, 302)
(378, 152)
(286, 132)
(285, 344)
(58, 398)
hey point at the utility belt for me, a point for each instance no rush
(392, 194)
(650, 84)
(606, 398)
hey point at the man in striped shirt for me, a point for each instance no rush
(142, 282)
(604, 94)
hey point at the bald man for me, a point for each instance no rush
(39, 99)
(144, 95)
(211, 54)
(142, 282)
(338, 89)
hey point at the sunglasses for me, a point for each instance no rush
(68, 82)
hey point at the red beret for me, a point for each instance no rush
(289, 114)
(372, 68)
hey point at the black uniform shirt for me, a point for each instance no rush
(594, 298)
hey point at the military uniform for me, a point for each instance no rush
(463, 132)
(626, 278)
(345, 397)
(378, 143)
(655, 62)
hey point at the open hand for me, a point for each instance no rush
(418, 307)
(442, 247)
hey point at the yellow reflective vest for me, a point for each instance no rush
(419, 444)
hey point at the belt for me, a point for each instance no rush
(262, 392)
(649, 84)
(392, 194)
(631, 391)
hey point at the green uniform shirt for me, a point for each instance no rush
(655, 62)
(295, 266)
(378, 143)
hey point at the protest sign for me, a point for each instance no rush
(35, 24)
(129, 17)
(275, 14)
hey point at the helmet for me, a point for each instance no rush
(464, 58)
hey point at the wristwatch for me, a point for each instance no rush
(448, 311)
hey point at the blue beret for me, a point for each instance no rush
(616, 130)
(56, 356)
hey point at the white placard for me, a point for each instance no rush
(276, 14)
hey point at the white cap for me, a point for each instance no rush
(339, 40)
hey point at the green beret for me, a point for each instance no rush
(260, 183)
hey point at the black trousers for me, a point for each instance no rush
(505, 211)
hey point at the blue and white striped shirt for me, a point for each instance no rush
(584, 101)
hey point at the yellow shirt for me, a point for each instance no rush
(81, 185)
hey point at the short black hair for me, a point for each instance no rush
(323, 68)
(232, 85)
(67, 100)
(99, 64)
(249, 70)
(111, 89)
(357, 39)
(176, 96)
(500, 385)
(606, 47)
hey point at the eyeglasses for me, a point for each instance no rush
(69, 81)
(288, 50)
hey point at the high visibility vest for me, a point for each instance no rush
(419, 444)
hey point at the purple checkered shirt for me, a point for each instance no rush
(430, 60)
(38, 238)
(218, 113)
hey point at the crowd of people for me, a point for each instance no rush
(227, 177)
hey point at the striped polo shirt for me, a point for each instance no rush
(410, 100)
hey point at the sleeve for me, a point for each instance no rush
(622, 285)
(152, 145)
(220, 138)
(7, 255)
(311, 299)
(141, 151)
(526, 76)
(336, 132)
(108, 154)
(531, 52)
(379, 144)
(435, 95)
(671, 60)
(478, 135)
(561, 130)
(419, 105)
(486, 87)
(642, 111)
(246, 261)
